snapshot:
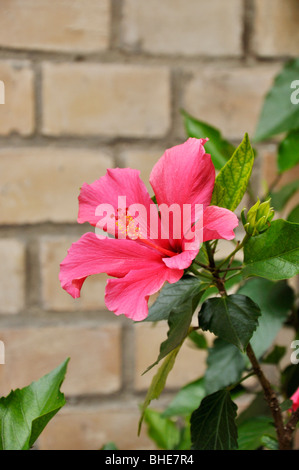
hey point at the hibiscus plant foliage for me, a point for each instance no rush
(244, 298)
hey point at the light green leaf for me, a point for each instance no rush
(288, 151)
(25, 412)
(225, 364)
(213, 424)
(279, 114)
(234, 177)
(158, 382)
(273, 254)
(219, 148)
(186, 400)
(161, 430)
(233, 318)
(275, 300)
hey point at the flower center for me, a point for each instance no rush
(127, 226)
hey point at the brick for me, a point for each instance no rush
(276, 30)
(105, 99)
(53, 251)
(95, 363)
(230, 99)
(90, 428)
(53, 25)
(17, 114)
(12, 275)
(42, 184)
(143, 160)
(208, 27)
(190, 363)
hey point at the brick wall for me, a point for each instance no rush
(91, 85)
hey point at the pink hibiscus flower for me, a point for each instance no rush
(139, 258)
(295, 400)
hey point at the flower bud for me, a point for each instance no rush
(258, 218)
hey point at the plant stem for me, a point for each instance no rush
(272, 400)
(238, 247)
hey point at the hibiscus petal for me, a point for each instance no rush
(185, 174)
(118, 182)
(182, 260)
(219, 223)
(129, 295)
(89, 255)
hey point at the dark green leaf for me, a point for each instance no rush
(257, 407)
(294, 215)
(213, 424)
(225, 366)
(275, 300)
(232, 318)
(187, 399)
(25, 412)
(288, 151)
(234, 177)
(280, 198)
(275, 253)
(279, 114)
(251, 432)
(290, 379)
(173, 296)
(161, 430)
(275, 356)
(286, 405)
(219, 148)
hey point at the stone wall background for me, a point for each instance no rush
(94, 84)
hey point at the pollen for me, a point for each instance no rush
(127, 226)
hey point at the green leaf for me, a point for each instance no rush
(273, 254)
(179, 322)
(225, 366)
(198, 340)
(109, 446)
(290, 379)
(257, 407)
(279, 114)
(275, 300)
(161, 430)
(288, 151)
(158, 382)
(251, 432)
(234, 177)
(286, 405)
(233, 318)
(294, 215)
(270, 442)
(173, 296)
(280, 198)
(186, 400)
(25, 412)
(213, 424)
(219, 148)
(275, 356)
